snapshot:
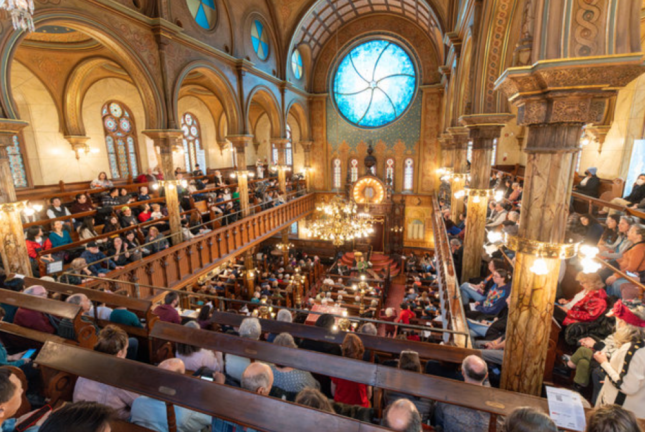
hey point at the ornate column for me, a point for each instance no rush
(554, 100)
(280, 144)
(445, 140)
(13, 248)
(460, 170)
(306, 145)
(249, 276)
(484, 129)
(239, 143)
(166, 141)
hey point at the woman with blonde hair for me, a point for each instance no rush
(612, 418)
(625, 381)
(587, 305)
(349, 392)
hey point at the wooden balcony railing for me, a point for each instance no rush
(186, 262)
(455, 318)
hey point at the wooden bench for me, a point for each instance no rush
(85, 332)
(228, 403)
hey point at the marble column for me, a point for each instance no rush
(167, 141)
(484, 129)
(306, 145)
(13, 248)
(239, 142)
(460, 170)
(554, 100)
(280, 145)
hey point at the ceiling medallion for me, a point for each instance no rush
(21, 12)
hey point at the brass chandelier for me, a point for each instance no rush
(340, 221)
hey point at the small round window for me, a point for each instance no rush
(296, 64)
(203, 11)
(260, 40)
(374, 83)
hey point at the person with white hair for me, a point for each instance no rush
(33, 319)
(151, 413)
(284, 316)
(287, 378)
(250, 328)
(390, 329)
(453, 418)
(402, 416)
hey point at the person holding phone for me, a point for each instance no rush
(477, 292)
(17, 360)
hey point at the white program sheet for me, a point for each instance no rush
(565, 408)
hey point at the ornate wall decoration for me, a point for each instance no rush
(586, 28)
(430, 151)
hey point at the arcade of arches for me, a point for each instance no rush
(361, 98)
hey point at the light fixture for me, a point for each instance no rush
(22, 13)
(460, 194)
(589, 264)
(539, 267)
(494, 236)
(499, 195)
(339, 221)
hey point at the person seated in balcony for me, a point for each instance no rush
(119, 252)
(87, 231)
(159, 212)
(158, 241)
(516, 194)
(587, 305)
(457, 255)
(495, 301)
(112, 225)
(508, 187)
(610, 233)
(127, 217)
(111, 199)
(97, 262)
(614, 246)
(76, 272)
(145, 213)
(219, 180)
(633, 260)
(144, 194)
(58, 236)
(497, 216)
(635, 197)
(590, 184)
(593, 229)
(477, 291)
(81, 204)
(134, 246)
(36, 243)
(125, 197)
(146, 177)
(101, 182)
(56, 209)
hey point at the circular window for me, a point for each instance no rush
(374, 83)
(203, 11)
(296, 64)
(260, 40)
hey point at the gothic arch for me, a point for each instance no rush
(265, 98)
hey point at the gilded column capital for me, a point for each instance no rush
(306, 145)
(9, 127)
(460, 137)
(239, 142)
(484, 128)
(567, 90)
(446, 142)
(280, 143)
(164, 138)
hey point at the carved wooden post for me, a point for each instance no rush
(167, 140)
(554, 101)
(13, 248)
(240, 142)
(460, 170)
(484, 129)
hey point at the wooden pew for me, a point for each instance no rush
(85, 333)
(494, 401)
(444, 353)
(229, 403)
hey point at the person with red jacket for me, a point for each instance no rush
(589, 304)
(167, 312)
(405, 314)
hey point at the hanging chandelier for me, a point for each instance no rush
(340, 221)
(22, 13)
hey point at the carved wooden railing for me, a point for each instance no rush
(188, 261)
(452, 308)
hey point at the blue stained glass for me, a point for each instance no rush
(375, 83)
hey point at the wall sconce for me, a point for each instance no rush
(80, 146)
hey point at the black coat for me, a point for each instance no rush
(592, 188)
(637, 195)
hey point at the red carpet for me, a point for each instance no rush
(379, 262)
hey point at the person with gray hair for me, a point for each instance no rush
(65, 327)
(402, 416)
(368, 329)
(409, 361)
(284, 316)
(287, 378)
(250, 328)
(528, 419)
(151, 413)
(32, 319)
(453, 418)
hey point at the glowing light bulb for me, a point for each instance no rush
(494, 236)
(476, 199)
(539, 267)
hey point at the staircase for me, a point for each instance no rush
(379, 262)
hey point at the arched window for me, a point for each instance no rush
(121, 140)
(389, 171)
(17, 163)
(192, 141)
(408, 174)
(336, 179)
(353, 170)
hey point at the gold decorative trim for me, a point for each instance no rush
(482, 193)
(541, 249)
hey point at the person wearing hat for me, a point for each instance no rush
(624, 384)
(590, 184)
(96, 260)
